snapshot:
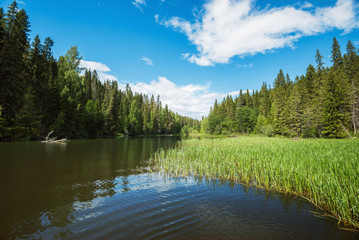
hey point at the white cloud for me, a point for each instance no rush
(147, 61)
(189, 100)
(139, 4)
(101, 69)
(156, 18)
(185, 55)
(94, 66)
(227, 28)
(21, 2)
(245, 65)
(306, 5)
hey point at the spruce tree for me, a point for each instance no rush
(264, 102)
(134, 119)
(337, 58)
(319, 61)
(13, 73)
(296, 110)
(335, 105)
(351, 66)
(279, 109)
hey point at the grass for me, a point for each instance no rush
(326, 172)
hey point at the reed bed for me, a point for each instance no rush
(325, 172)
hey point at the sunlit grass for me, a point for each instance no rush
(326, 172)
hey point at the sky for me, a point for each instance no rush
(191, 52)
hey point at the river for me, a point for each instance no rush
(90, 189)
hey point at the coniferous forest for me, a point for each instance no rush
(40, 93)
(324, 102)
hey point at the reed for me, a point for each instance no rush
(326, 172)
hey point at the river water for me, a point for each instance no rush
(89, 189)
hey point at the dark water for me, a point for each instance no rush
(89, 190)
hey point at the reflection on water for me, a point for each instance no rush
(89, 190)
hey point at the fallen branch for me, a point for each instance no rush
(53, 140)
(48, 135)
(346, 130)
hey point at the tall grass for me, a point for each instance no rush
(326, 172)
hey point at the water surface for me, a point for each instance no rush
(89, 189)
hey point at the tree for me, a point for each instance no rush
(351, 65)
(70, 122)
(264, 102)
(88, 84)
(279, 110)
(296, 110)
(111, 108)
(13, 73)
(335, 105)
(337, 59)
(319, 61)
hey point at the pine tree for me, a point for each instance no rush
(264, 102)
(335, 104)
(310, 79)
(351, 65)
(90, 119)
(134, 119)
(337, 59)
(110, 108)
(146, 116)
(279, 109)
(13, 73)
(51, 100)
(2, 41)
(296, 110)
(88, 84)
(319, 61)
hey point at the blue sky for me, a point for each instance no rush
(191, 52)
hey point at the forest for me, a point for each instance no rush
(40, 93)
(324, 102)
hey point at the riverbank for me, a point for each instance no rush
(119, 136)
(323, 171)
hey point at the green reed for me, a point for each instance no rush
(326, 172)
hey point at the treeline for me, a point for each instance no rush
(40, 93)
(322, 103)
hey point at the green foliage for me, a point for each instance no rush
(322, 103)
(263, 127)
(40, 94)
(336, 104)
(185, 130)
(13, 69)
(134, 119)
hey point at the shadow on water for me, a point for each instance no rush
(89, 189)
(40, 182)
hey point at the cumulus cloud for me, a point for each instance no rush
(147, 61)
(139, 4)
(101, 69)
(227, 28)
(21, 2)
(191, 100)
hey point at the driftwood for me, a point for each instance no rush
(53, 140)
(346, 130)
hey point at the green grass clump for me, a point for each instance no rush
(321, 170)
